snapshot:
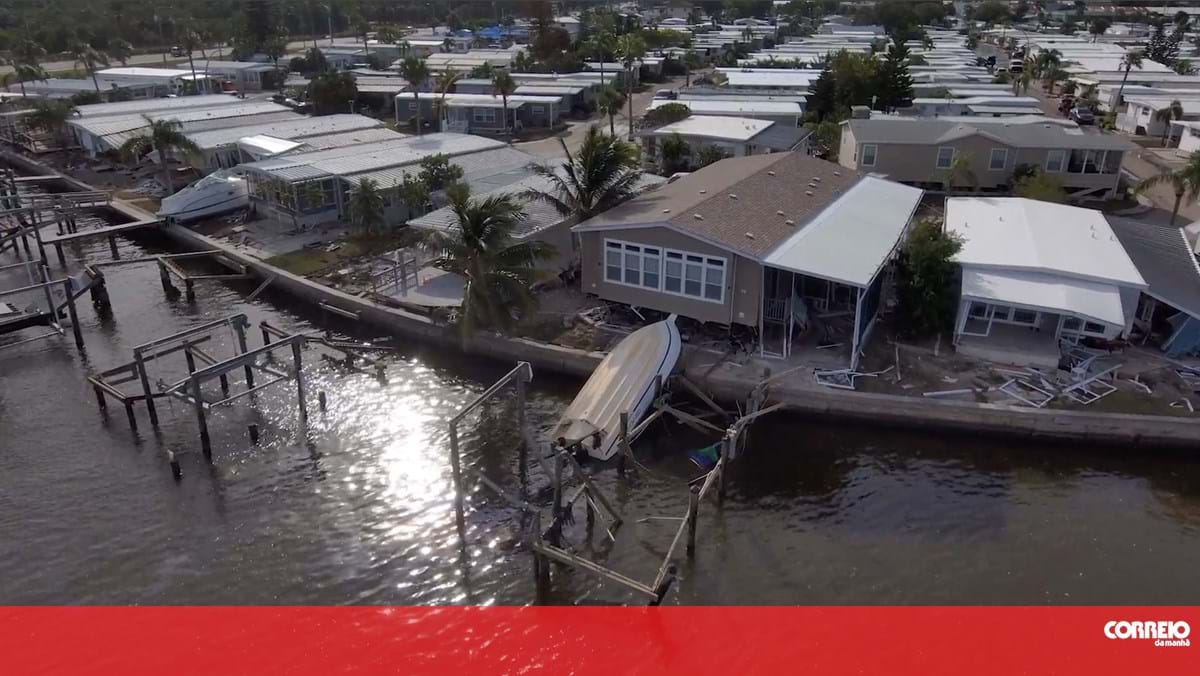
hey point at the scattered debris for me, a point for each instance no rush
(949, 393)
(1184, 403)
(1026, 392)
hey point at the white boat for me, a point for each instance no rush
(624, 381)
(218, 193)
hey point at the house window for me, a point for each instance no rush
(676, 272)
(539, 110)
(1055, 160)
(945, 157)
(412, 105)
(869, 153)
(485, 114)
(1076, 325)
(998, 160)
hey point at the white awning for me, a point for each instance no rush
(851, 239)
(263, 146)
(1095, 301)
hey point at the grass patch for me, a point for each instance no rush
(306, 262)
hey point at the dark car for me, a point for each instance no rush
(1083, 116)
(178, 51)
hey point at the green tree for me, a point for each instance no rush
(26, 57)
(51, 116)
(120, 50)
(1173, 111)
(332, 92)
(1098, 27)
(665, 114)
(630, 49)
(414, 193)
(1039, 186)
(504, 85)
(691, 62)
(189, 39)
(366, 206)
(707, 155)
(894, 85)
(89, 57)
(926, 288)
(437, 172)
(610, 101)
(164, 137)
(601, 47)
(674, 154)
(498, 271)
(1184, 181)
(603, 172)
(959, 173)
(415, 71)
(28, 72)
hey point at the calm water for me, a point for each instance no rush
(358, 510)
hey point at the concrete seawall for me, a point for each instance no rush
(1145, 432)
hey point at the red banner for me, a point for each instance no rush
(965, 641)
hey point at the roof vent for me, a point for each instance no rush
(749, 235)
(789, 222)
(770, 173)
(779, 213)
(698, 217)
(666, 211)
(837, 173)
(732, 196)
(817, 179)
(703, 191)
(808, 192)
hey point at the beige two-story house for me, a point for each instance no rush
(922, 151)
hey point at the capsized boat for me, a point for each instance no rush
(624, 381)
(218, 193)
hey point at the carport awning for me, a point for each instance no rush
(1095, 301)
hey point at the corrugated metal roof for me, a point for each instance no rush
(291, 127)
(483, 170)
(106, 125)
(350, 138)
(352, 160)
(1163, 257)
(155, 105)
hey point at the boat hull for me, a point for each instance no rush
(193, 203)
(623, 382)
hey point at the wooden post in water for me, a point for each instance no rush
(557, 512)
(297, 362)
(189, 290)
(141, 370)
(112, 246)
(726, 444)
(456, 473)
(541, 565)
(100, 399)
(165, 278)
(693, 512)
(58, 250)
(240, 328)
(130, 415)
(253, 430)
(73, 314)
(191, 358)
(321, 400)
(198, 403)
(623, 441)
(660, 592)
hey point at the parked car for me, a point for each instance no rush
(1083, 116)
(666, 94)
(178, 51)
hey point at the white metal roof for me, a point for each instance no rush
(144, 72)
(851, 239)
(708, 106)
(263, 145)
(771, 78)
(715, 127)
(1045, 291)
(348, 160)
(156, 105)
(1014, 233)
(297, 126)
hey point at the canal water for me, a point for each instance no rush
(358, 509)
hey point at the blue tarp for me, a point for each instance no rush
(1185, 339)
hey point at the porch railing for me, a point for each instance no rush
(775, 309)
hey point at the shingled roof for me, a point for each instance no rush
(747, 204)
(1161, 254)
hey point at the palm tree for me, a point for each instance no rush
(960, 168)
(1047, 60)
(415, 71)
(497, 270)
(602, 173)
(600, 46)
(51, 116)
(88, 56)
(1132, 59)
(28, 72)
(26, 55)
(189, 39)
(120, 50)
(504, 85)
(630, 47)
(445, 82)
(164, 137)
(366, 205)
(610, 102)
(1184, 181)
(1174, 111)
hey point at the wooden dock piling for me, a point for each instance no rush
(692, 514)
(72, 313)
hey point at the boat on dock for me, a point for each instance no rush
(623, 382)
(218, 193)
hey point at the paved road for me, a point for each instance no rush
(159, 59)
